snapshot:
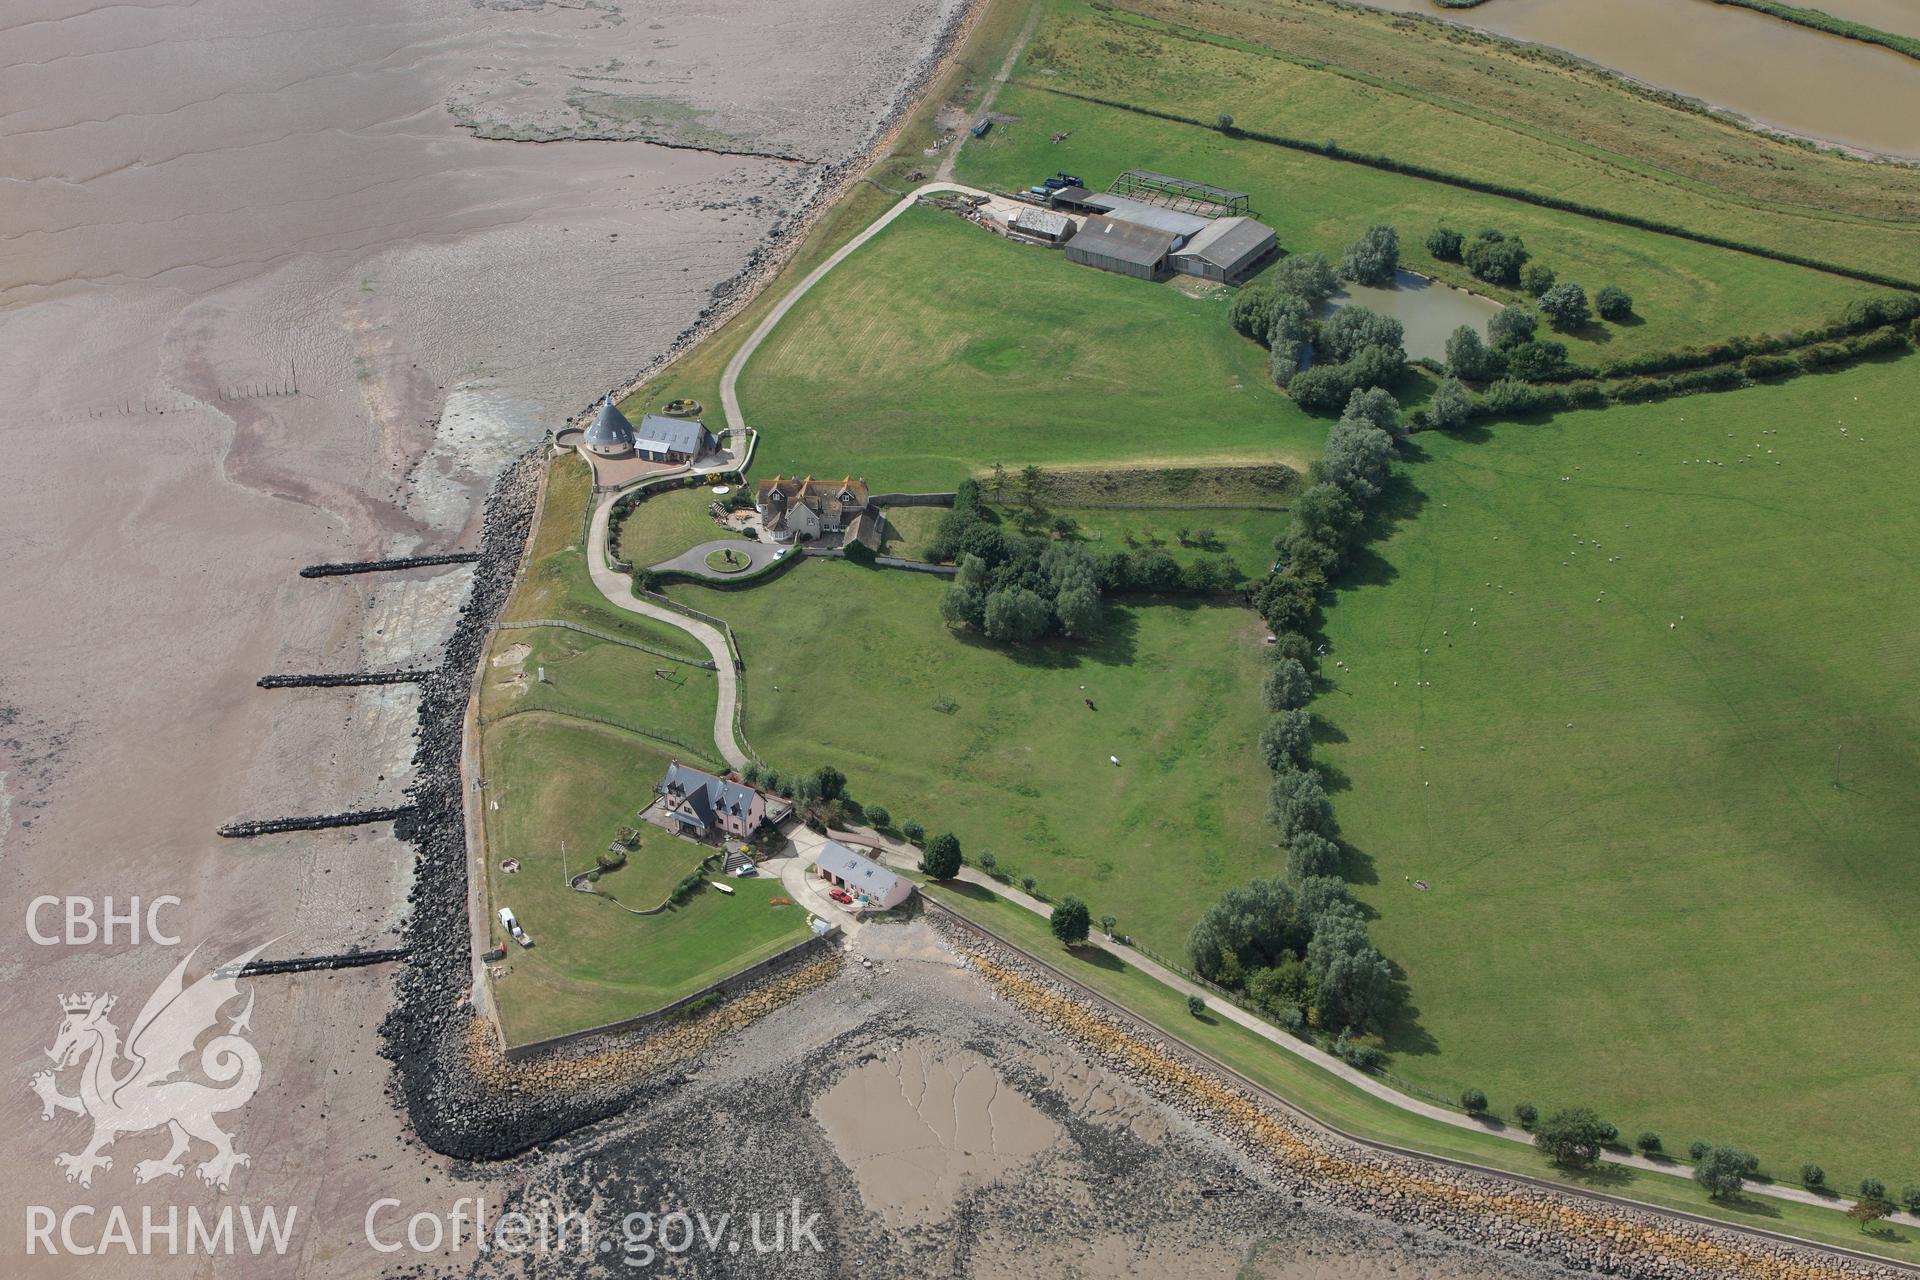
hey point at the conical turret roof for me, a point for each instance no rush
(611, 429)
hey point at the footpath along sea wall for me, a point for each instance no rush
(1513, 1214)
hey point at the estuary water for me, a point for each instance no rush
(1775, 73)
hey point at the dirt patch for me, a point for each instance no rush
(1269, 485)
(512, 656)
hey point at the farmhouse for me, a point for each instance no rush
(803, 510)
(869, 883)
(702, 805)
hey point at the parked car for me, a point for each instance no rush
(840, 895)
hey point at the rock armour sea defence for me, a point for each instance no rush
(1550, 1226)
(462, 1097)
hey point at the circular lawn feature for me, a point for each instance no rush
(718, 561)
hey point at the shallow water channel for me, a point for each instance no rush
(1426, 309)
(1775, 73)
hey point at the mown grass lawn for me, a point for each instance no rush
(939, 349)
(660, 527)
(565, 781)
(1020, 765)
(556, 584)
(670, 701)
(1637, 694)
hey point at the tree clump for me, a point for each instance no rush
(1070, 921)
(1565, 306)
(1496, 257)
(1573, 1137)
(1374, 257)
(1444, 243)
(941, 860)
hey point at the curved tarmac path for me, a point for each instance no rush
(758, 555)
(616, 588)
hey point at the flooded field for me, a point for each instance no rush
(1775, 73)
(1427, 309)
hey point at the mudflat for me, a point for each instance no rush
(269, 297)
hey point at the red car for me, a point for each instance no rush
(840, 895)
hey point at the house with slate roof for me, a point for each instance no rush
(658, 438)
(662, 439)
(701, 805)
(804, 510)
(611, 435)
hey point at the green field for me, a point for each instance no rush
(1598, 695)
(669, 701)
(1684, 293)
(1326, 1096)
(1432, 95)
(1243, 534)
(939, 349)
(558, 781)
(1020, 765)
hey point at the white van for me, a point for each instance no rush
(512, 926)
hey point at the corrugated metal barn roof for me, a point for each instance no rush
(1122, 241)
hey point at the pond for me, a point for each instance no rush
(1775, 73)
(1427, 309)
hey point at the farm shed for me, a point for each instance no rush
(1141, 214)
(1228, 250)
(1124, 247)
(1074, 199)
(1042, 224)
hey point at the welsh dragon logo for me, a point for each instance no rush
(139, 1086)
